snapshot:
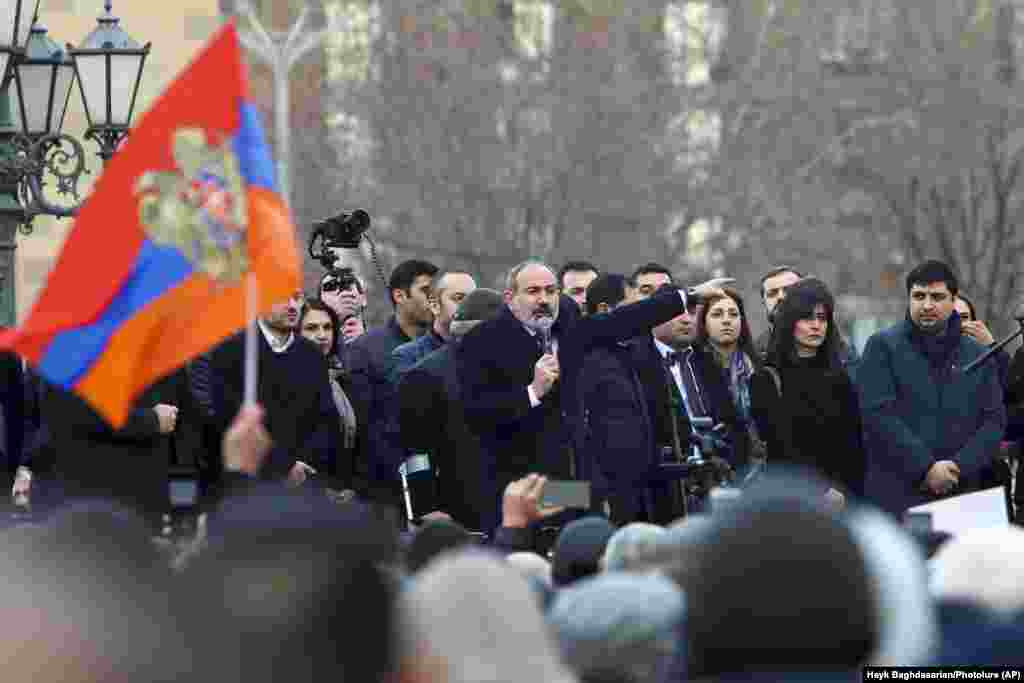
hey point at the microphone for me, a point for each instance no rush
(996, 348)
(543, 328)
(545, 338)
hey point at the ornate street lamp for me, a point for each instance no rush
(109, 66)
(43, 76)
(36, 80)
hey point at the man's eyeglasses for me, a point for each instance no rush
(331, 286)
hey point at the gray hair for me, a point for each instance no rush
(634, 547)
(619, 625)
(460, 328)
(480, 617)
(512, 279)
(531, 565)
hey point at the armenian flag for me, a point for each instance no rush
(154, 270)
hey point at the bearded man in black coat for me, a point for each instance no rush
(519, 374)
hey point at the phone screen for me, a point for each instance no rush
(183, 492)
(568, 494)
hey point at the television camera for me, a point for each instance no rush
(343, 231)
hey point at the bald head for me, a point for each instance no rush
(449, 291)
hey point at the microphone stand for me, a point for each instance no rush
(995, 348)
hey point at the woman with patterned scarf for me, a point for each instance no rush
(724, 341)
(319, 324)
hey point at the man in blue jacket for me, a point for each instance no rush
(930, 429)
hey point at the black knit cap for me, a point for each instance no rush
(481, 304)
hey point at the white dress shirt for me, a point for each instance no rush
(275, 345)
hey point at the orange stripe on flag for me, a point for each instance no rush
(194, 316)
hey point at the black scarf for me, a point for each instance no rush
(939, 349)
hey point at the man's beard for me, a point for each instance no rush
(540, 324)
(543, 317)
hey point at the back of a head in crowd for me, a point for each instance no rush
(798, 588)
(618, 626)
(86, 597)
(984, 567)
(434, 539)
(404, 276)
(531, 565)
(470, 618)
(932, 272)
(802, 298)
(635, 547)
(537, 572)
(605, 293)
(480, 305)
(579, 549)
(285, 580)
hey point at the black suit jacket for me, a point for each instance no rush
(378, 453)
(496, 362)
(432, 418)
(12, 402)
(129, 465)
(294, 389)
(619, 449)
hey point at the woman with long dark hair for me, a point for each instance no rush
(803, 401)
(726, 355)
(320, 325)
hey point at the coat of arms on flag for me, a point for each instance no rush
(199, 207)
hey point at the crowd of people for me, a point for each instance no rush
(381, 514)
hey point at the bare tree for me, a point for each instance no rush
(517, 129)
(861, 137)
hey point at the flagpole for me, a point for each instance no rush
(252, 294)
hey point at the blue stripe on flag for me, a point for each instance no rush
(71, 353)
(251, 148)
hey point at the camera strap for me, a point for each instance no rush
(771, 370)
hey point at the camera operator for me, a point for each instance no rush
(343, 292)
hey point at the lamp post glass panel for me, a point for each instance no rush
(38, 78)
(43, 75)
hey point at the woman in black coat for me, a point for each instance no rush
(814, 421)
